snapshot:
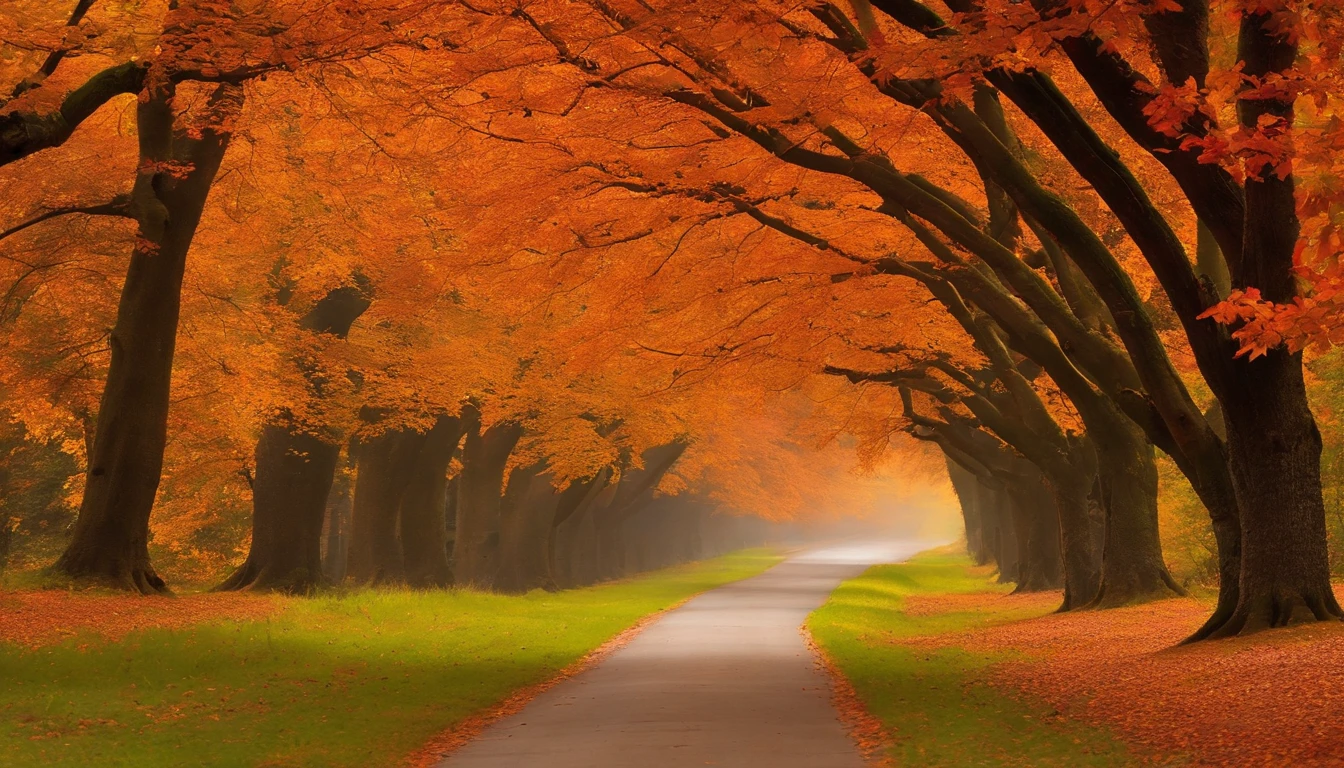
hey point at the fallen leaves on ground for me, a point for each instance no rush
(1274, 698)
(932, 605)
(865, 729)
(46, 617)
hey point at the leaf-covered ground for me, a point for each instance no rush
(962, 673)
(35, 618)
(1272, 699)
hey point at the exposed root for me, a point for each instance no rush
(1278, 609)
(140, 579)
(147, 582)
(251, 577)
(1220, 616)
(1171, 583)
(239, 579)
(1109, 595)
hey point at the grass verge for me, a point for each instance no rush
(932, 700)
(362, 679)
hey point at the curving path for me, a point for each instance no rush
(724, 680)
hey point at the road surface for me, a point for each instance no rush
(724, 680)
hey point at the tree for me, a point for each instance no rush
(1182, 429)
(295, 465)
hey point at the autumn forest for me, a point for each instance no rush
(378, 375)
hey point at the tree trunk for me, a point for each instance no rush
(1274, 447)
(692, 542)
(526, 517)
(1275, 451)
(1132, 568)
(1082, 562)
(1036, 517)
(339, 512)
(965, 484)
(384, 469)
(450, 522)
(294, 481)
(476, 544)
(635, 489)
(110, 541)
(1211, 479)
(609, 525)
(424, 507)
(1001, 541)
(577, 537)
(6, 536)
(289, 499)
(571, 507)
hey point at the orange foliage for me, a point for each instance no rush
(542, 225)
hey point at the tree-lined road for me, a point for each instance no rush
(724, 680)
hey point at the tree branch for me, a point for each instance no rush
(118, 206)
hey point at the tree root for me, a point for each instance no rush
(255, 578)
(240, 579)
(141, 578)
(1109, 597)
(1274, 610)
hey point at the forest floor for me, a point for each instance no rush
(956, 671)
(351, 679)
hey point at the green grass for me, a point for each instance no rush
(933, 702)
(357, 680)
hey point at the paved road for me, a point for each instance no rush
(724, 680)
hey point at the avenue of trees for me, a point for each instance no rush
(517, 294)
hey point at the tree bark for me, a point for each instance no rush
(577, 537)
(339, 511)
(609, 558)
(1000, 539)
(1275, 453)
(110, 541)
(1274, 446)
(6, 537)
(1082, 561)
(484, 459)
(384, 468)
(1132, 568)
(526, 517)
(966, 486)
(424, 507)
(289, 499)
(571, 507)
(450, 522)
(1036, 516)
(635, 489)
